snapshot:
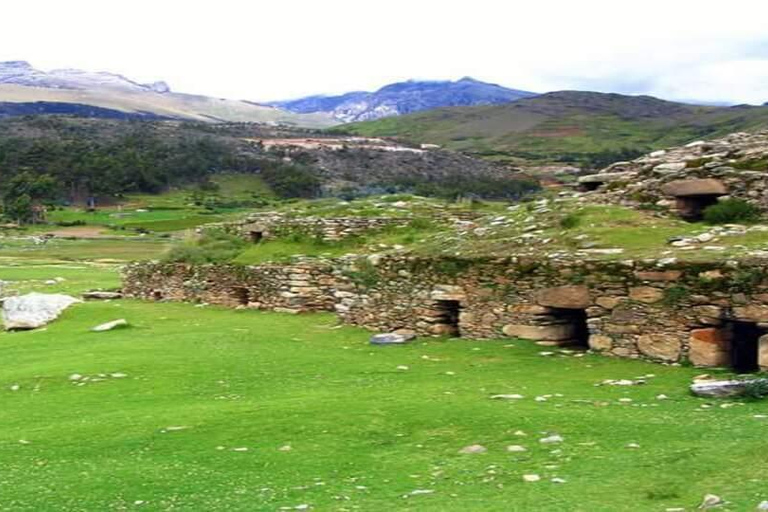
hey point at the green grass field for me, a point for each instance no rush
(215, 409)
(195, 408)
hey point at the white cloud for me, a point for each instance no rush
(682, 49)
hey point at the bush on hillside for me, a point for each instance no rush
(215, 246)
(731, 211)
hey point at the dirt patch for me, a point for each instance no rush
(79, 232)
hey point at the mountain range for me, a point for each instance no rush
(26, 90)
(404, 98)
(574, 127)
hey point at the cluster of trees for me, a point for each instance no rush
(458, 186)
(39, 171)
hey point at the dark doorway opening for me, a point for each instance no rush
(744, 340)
(448, 312)
(691, 208)
(157, 295)
(591, 186)
(256, 236)
(576, 320)
(241, 295)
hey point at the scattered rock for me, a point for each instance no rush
(516, 448)
(391, 339)
(473, 449)
(711, 501)
(531, 478)
(506, 397)
(551, 439)
(122, 322)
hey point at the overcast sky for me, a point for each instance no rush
(264, 50)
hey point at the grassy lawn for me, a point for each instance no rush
(127, 249)
(72, 278)
(197, 406)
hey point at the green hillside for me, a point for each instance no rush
(585, 128)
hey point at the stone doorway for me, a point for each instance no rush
(574, 324)
(255, 236)
(157, 295)
(692, 208)
(241, 295)
(447, 314)
(744, 345)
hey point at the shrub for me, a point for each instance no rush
(756, 388)
(675, 295)
(215, 246)
(731, 211)
(570, 221)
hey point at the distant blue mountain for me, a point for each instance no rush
(404, 98)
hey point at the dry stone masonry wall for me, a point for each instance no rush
(711, 314)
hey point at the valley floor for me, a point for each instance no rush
(204, 408)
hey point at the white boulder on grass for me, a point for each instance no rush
(34, 310)
(122, 322)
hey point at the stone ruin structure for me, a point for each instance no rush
(687, 179)
(711, 314)
(269, 225)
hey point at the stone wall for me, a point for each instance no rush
(712, 314)
(274, 225)
(298, 287)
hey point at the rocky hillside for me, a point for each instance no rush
(688, 178)
(68, 90)
(405, 98)
(582, 128)
(110, 157)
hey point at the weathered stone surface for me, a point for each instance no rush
(659, 346)
(391, 338)
(539, 332)
(565, 297)
(605, 177)
(600, 342)
(667, 275)
(695, 187)
(609, 302)
(709, 347)
(114, 324)
(751, 313)
(101, 295)
(646, 294)
(34, 310)
(762, 355)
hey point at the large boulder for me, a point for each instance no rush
(392, 338)
(659, 346)
(695, 187)
(709, 347)
(34, 310)
(565, 297)
(722, 388)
